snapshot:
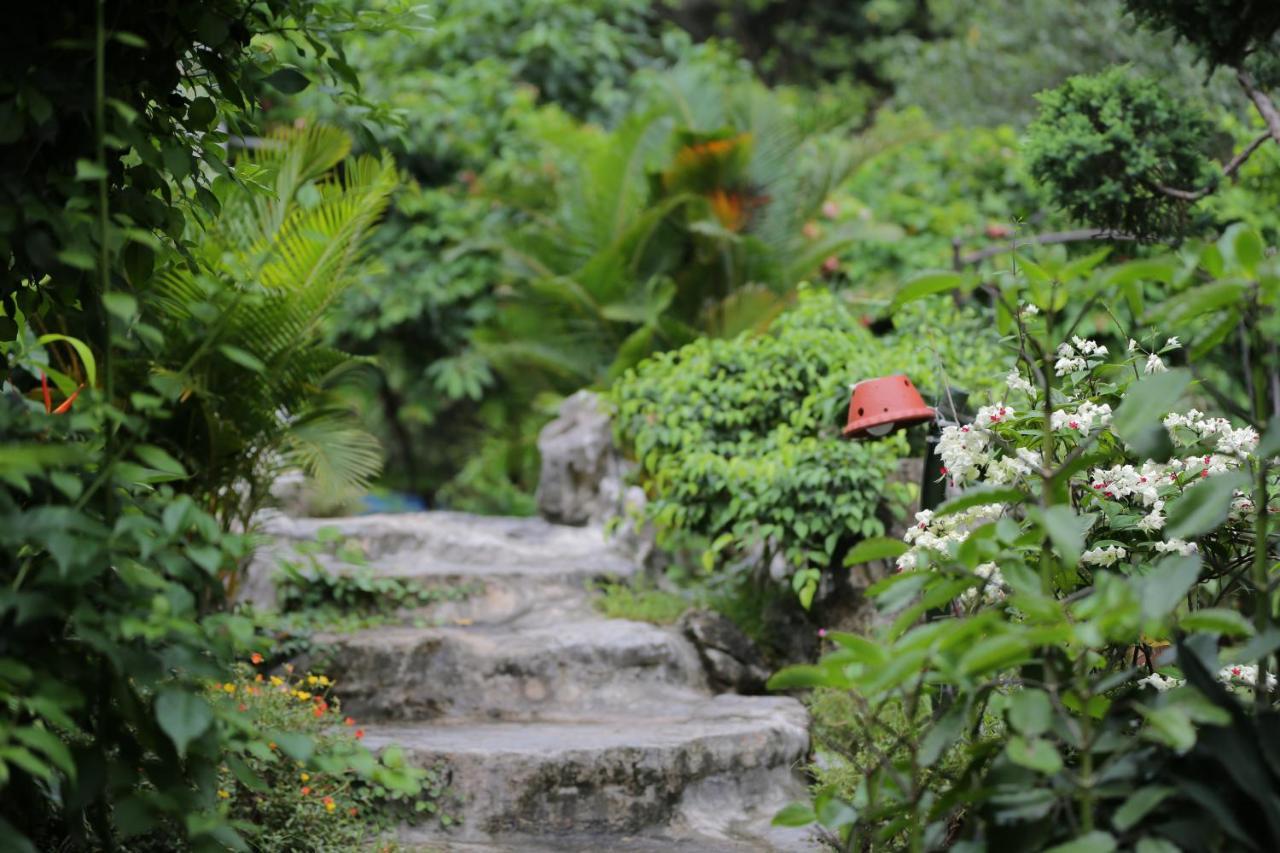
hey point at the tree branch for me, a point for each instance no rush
(1261, 100)
(1076, 236)
(1232, 166)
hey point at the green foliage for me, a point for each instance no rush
(738, 439)
(640, 603)
(994, 56)
(240, 319)
(1108, 147)
(1223, 33)
(315, 787)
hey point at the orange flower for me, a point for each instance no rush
(352, 811)
(255, 658)
(359, 733)
(329, 804)
(242, 707)
(319, 712)
(350, 721)
(306, 789)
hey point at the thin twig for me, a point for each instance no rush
(1077, 236)
(1266, 107)
(1232, 166)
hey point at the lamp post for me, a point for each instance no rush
(879, 407)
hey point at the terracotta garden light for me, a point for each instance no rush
(880, 406)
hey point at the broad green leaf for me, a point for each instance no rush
(942, 735)
(1216, 620)
(1035, 754)
(87, 170)
(1269, 444)
(1203, 506)
(1139, 805)
(1030, 711)
(927, 284)
(876, 548)
(290, 81)
(994, 653)
(1169, 725)
(183, 716)
(981, 496)
(160, 459)
(1066, 530)
(50, 744)
(1148, 401)
(1156, 845)
(834, 813)
(1162, 588)
(1091, 842)
(802, 675)
(296, 746)
(795, 814)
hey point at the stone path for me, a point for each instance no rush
(562, 730)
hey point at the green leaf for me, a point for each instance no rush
(981, 496)
(1139, 805)
(296, 746)
(994, 653)
(927, 284)
(289, 81)
(82, 350)
(1204, 506)
(1091, 842)
(1217, 620)
(801, 675)
(1156, 845)
(160, 459)
(1169, 725)
(87, 170)
(244, 358)
(795, 814)
(1066, 531)
(51, 745)
(1147, 401)
(1269, 444)
(1030, 711)
(1162, 589)
(1035, 754)
(876, 548)
(120, 304)
(183, 716)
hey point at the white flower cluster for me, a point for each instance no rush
(992, 590)
(1016, 382)
(1235, 675)
(1176, 546)
(1231, 441)
(1006, 469)
(1074, 357)
(938, 533)
(1086, 416)
(1154, 365)
(1107, 556)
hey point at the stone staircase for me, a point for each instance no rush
(562, 730)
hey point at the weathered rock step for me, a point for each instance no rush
(689, 768)
(519, 671)
(449, 548)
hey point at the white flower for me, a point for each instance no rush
(1160, 682)
(940, 534)
(1133, 345)
(1245, 675)
(1104, 556)
(1084, 418)
(1172, 343)
(1030, 310)
(1089, 347)
(1154, 365)
(964, 451)
(1016, 383)
(992, 590)
(1063, 366)
(1176, 546)
(1154, 520)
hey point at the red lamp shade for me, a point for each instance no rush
(877, 407)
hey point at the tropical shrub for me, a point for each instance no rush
(739, 440)
(1086, 623)
(239, 340)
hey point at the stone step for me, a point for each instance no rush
(510, 671)
(716, 768)
(445, 548)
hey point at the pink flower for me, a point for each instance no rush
(830, 209)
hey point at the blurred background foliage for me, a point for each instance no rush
(866, 142)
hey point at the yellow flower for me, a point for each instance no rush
(276, 681)
(229, 687)
(302, 695)
(324, 681)
(312, 680)
(223, 795)
(305, 777)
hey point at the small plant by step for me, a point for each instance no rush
(304, 780)
(641, 602)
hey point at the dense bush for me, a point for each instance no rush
(739, 439)
(1109, 147)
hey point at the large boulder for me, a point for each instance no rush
(583, 478)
